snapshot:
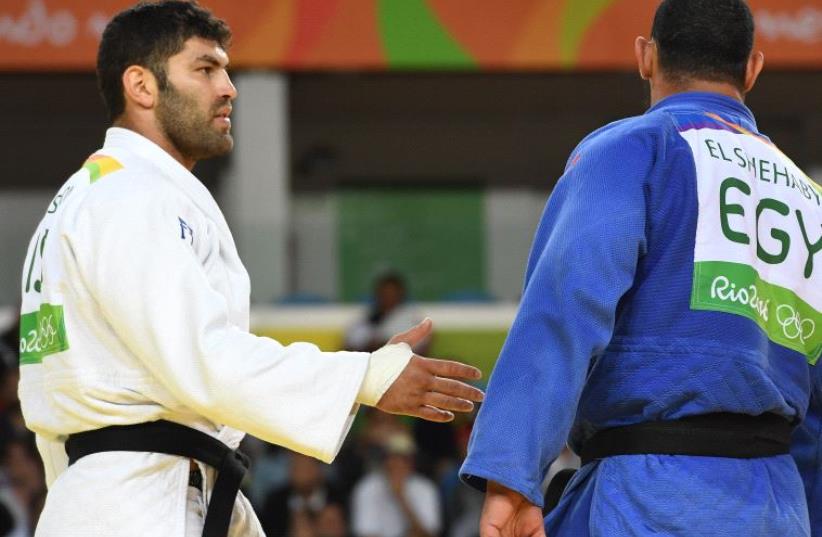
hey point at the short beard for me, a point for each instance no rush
(191, 131)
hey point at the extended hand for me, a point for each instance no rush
(426, 388)
(508, 514)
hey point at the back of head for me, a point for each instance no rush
(709, 40)
(148, 34)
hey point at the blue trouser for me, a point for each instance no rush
(683, 496)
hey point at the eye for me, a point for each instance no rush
(206, 70)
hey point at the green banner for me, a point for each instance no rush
(435, 237)
(737, 288)
(42, 332)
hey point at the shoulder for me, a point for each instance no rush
(628, 149)
(135, 200)
(133, 189)
(634, 135)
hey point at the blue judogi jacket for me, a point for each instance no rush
(807, 450)
(617, 326)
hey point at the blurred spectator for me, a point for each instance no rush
(464, 509)
(363, 452)
(437, 448)
(269, 469)
(22, 487)
(22, 483)
(9, 358)
(6, 520)
(463, 504)
(394, 501)
(297, 509)
(377, 427)
(331, 521)
(389, 315)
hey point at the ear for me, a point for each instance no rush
(644, 51)
(140, 87)
(755, 64)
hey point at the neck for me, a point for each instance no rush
(661, 89)
(154, 133)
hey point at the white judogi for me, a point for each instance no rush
(136, 308)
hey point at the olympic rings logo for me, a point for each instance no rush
(794, 326)
(47, 332)
(40, 339)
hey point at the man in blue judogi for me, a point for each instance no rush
(672, 306)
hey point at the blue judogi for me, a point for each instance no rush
(606, 336)
(807, 450)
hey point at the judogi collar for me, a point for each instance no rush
(704, 100)
(118, 138)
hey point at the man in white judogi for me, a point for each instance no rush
(135, 307)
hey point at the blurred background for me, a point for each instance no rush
(392, 160)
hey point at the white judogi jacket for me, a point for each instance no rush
(136, 308)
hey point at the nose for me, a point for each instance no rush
(227, 89)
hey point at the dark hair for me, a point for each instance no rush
(390, 278)
(704, 39)
(148, 34)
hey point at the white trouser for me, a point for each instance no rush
(195, 512)
(125, 494)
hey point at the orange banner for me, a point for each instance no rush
(403, 34)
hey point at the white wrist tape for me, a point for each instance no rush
(384, 366)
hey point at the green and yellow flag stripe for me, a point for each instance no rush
(99, 166)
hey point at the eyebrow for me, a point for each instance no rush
(208, 58)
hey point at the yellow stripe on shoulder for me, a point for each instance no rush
(99, 166)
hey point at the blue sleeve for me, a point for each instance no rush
(807, 451)
(582, 261)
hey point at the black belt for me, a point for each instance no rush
(720, 434)
(174, 439)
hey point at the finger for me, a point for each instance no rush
(489, 531)
(434, 414)
(415, 334)
(487, 528)
(450, 368)
(455, 388)
(445, 402)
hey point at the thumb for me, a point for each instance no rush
(414, 335)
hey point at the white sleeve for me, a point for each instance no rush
(154, 293)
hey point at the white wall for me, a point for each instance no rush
(511, 217)
(20, 212)
(255, 193)
(314, 259)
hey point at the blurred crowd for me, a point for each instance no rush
(22, 483)
(393, 478)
